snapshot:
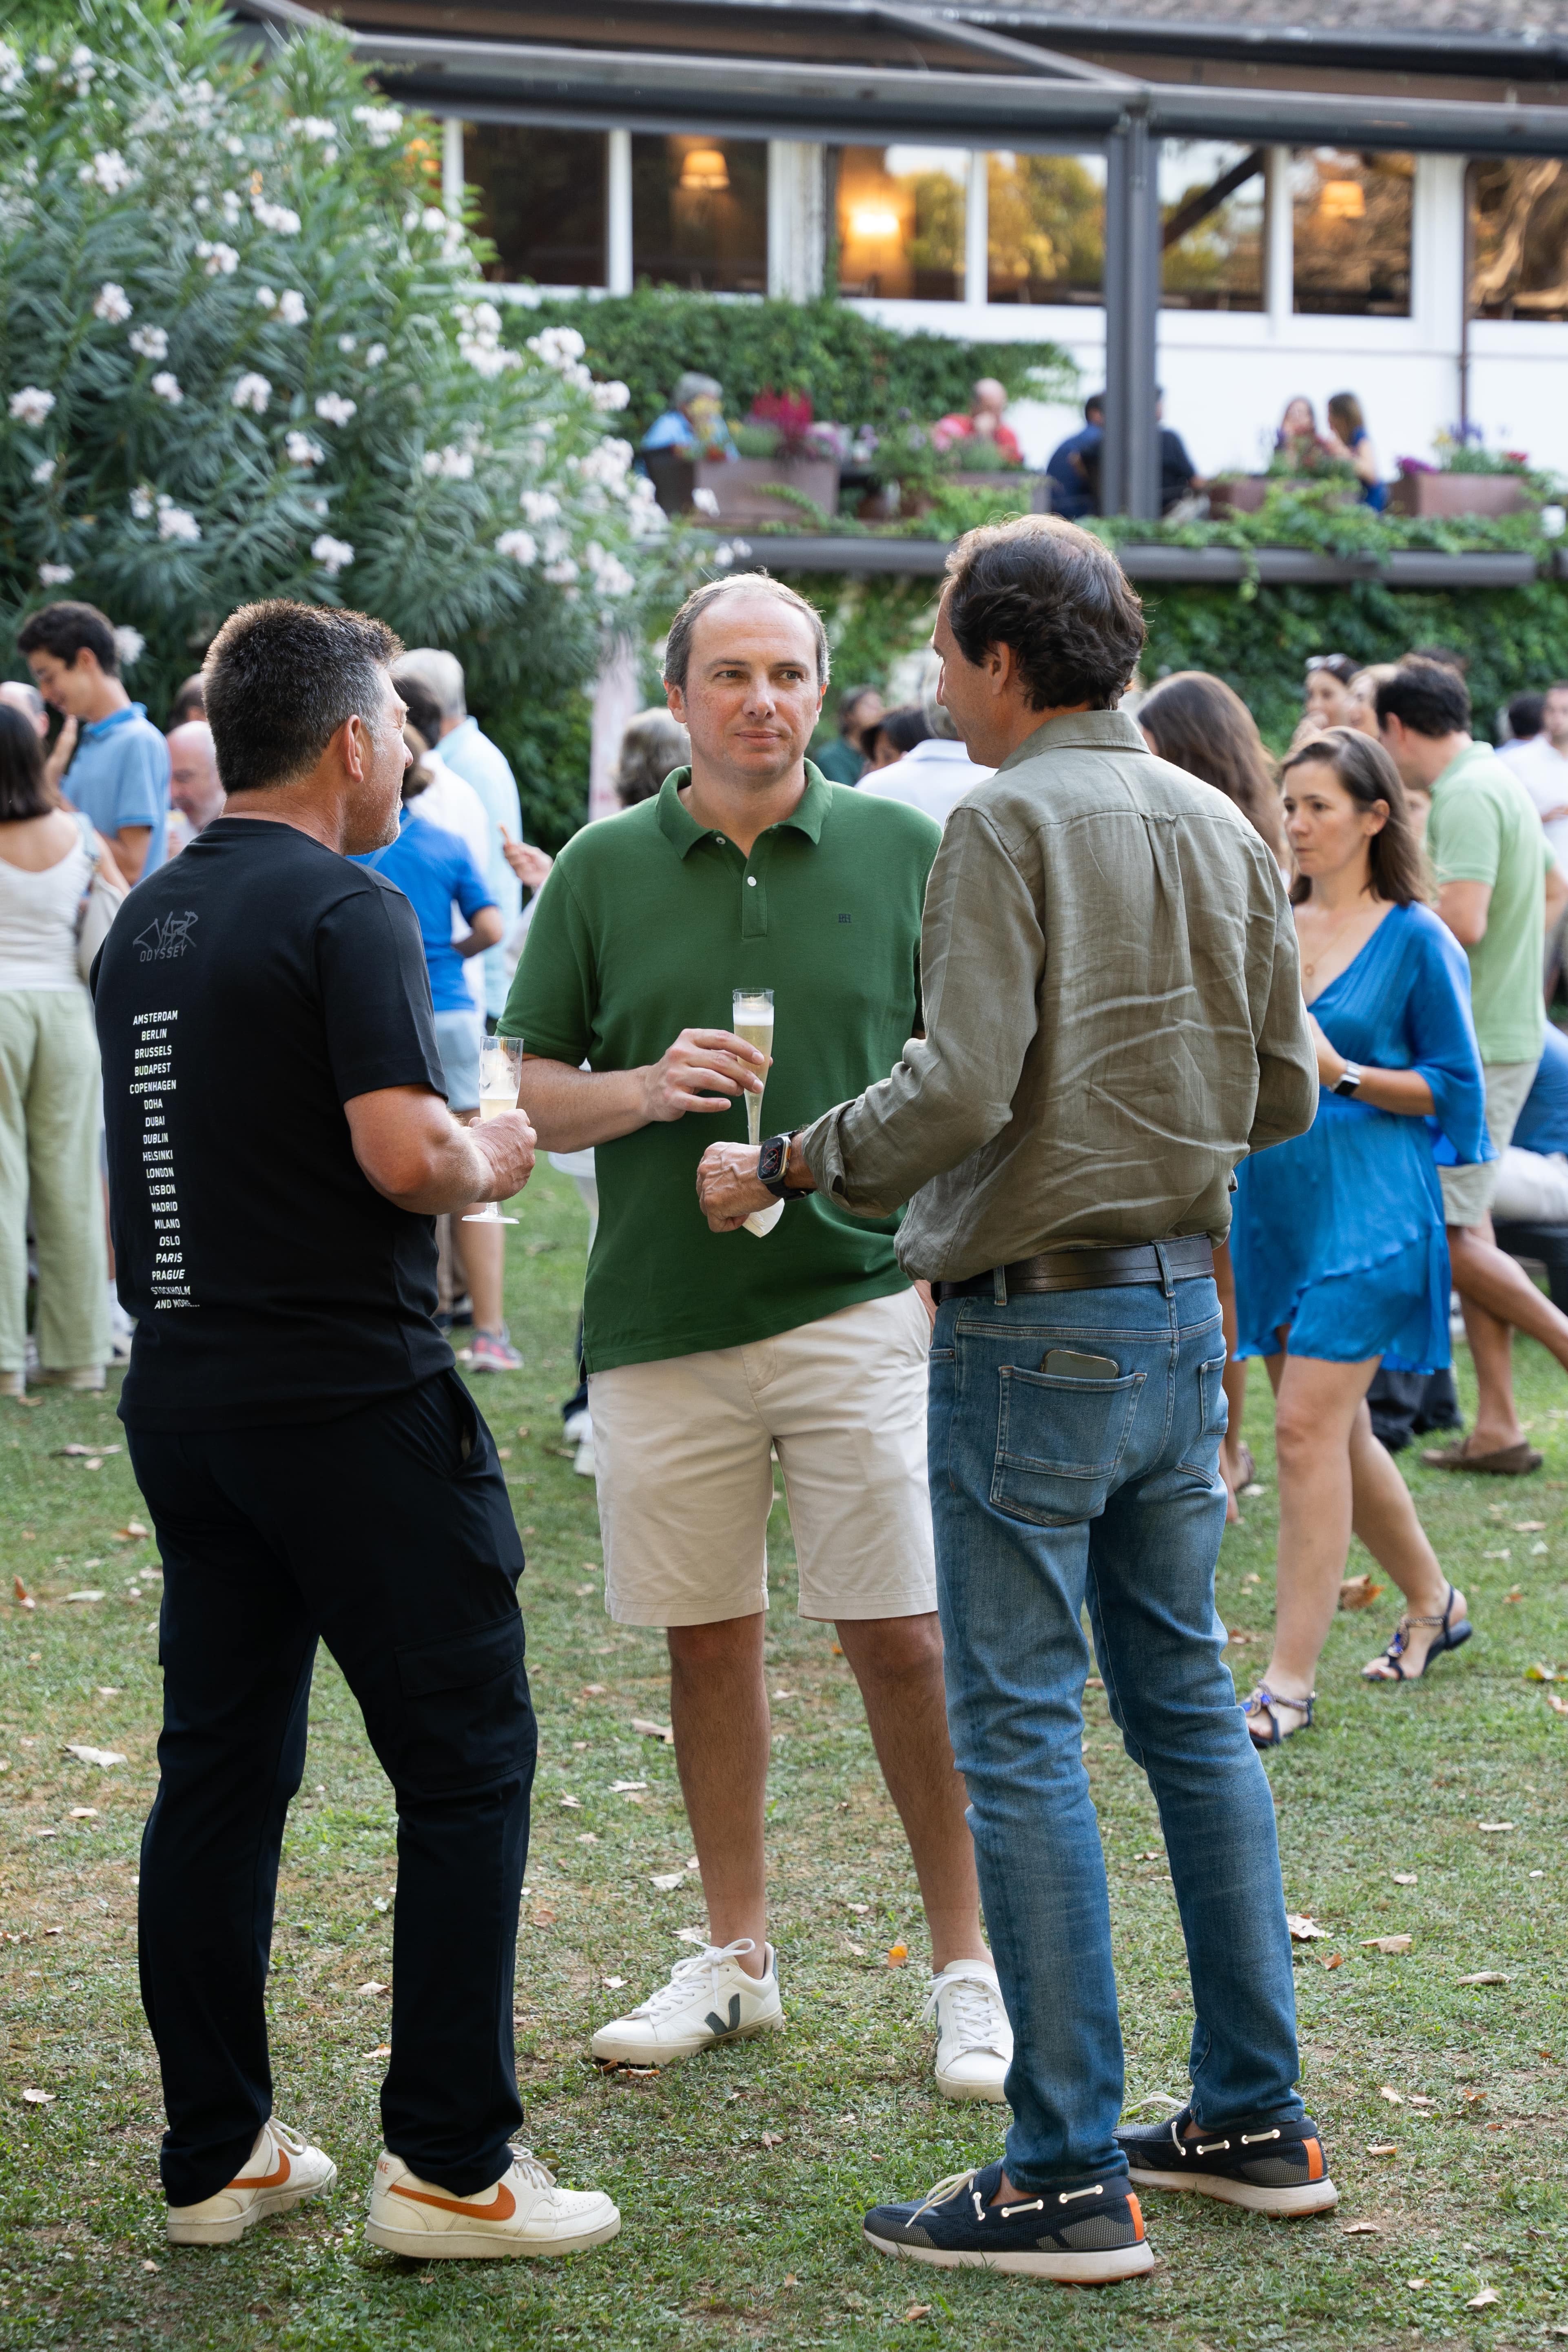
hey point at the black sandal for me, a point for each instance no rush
(1450, 1637)
(1262, 1701)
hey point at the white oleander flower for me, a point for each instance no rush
(12, 72)
(31, 404)
(302, 450)
(112, 303)
(705, 501)
(109, 170)
(562, 574)
(558, 347)
(130, 644)
(251, 390)
(55, 575)
(347, 343)
(152, 342)
(219, 261)
(291, 308)
(433, 218)
(520, 545)
(381, 125)
(453, 465)
(610, 574)
(333, 555)
(177, 523)
(166, 384)
(142, 502)
(44, 471)
(280, 218)
(265, 299)
(608, 397)
(607, 465)
(376, 354)
(333, 409)
(233, 204)
(540, 506)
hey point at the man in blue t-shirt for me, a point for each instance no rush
(435, 873)
(1072, 478)
(119, 777)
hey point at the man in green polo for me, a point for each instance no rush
(750, 871)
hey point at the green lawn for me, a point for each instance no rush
(729, 2238)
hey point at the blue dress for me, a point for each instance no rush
(1337, 1234)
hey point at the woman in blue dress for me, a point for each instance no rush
(1340, 1258)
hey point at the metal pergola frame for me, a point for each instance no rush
(1042, 97)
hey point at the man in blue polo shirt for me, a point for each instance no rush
(120, 776)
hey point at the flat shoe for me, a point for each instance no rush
(1508, 1462)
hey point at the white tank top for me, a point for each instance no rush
(38, 922)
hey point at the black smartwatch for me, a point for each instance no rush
(772, 1161)
(1350, 1078)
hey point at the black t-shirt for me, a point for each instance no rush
(246, 990)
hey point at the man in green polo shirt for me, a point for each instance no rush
(750, 871)
(1500, 891)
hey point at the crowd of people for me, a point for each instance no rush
(1051, 964)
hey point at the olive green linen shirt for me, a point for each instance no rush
(1114, 1016)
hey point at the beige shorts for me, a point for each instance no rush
(1467, 1193)
(682, 1450)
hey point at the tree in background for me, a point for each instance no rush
(246, 354)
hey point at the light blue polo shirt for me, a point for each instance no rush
(119, 775)
(483, 764)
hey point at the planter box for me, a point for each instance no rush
(1244, 494)
(741, 486)
(1458, 494)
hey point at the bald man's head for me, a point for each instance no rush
(193, 786)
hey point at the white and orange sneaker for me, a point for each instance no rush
(523, 2213)
(281, 2171)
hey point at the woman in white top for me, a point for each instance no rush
(49, 1080)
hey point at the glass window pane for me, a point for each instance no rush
(900, 222)
(541, 198)
(1351, 231)
(1210, 205)
(1046, 227)
(699, 212)
(1518, 236)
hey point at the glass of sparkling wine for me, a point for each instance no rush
(500, 1074)
(753, 1024)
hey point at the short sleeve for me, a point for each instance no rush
(469, 889)
(375, 995)
(1467, 839)
(141, 784)
(554, 990)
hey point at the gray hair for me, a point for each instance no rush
(678, 645)
(24, 696)
(693, 387)
(441, 675)
(654, 742)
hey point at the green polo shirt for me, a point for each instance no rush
(646, 927)
(1484, 827)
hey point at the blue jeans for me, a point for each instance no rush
(1049, 1492)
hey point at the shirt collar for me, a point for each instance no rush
(467, 726)
(681, 830)
(115, 719)
(1093, 731)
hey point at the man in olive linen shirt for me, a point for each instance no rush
(750, 870)
(1114, 1016)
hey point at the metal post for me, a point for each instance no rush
(1129, 471)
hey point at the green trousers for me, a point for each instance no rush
(48, 1154)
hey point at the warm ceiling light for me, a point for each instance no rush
(1342, 199)
(873, 220)
(704, 171)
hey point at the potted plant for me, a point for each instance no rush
(1468, 479)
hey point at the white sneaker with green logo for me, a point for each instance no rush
(710, 1998)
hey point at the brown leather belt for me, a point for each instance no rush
(1088, 1269)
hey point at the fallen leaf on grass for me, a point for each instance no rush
(1514, 1592)
(1335, 1960)
(626, 1788)
(96, 1452)
(691, 1935)
(613, 1984)
(653, 1730)
(371, 1989)
(1417, 2100)
(666, 1880)
(1538, 1550)
(1485, 1976)
(1358, 1592)
(1528, 1526)
(1471, 2095)
(149, 2266)
(1492, 1828)
(1504, 1554)
(917, 2311)
(1558, 1705)
(1405, 1878)
(1479, 2302)
(573, 1804)
(1251, 1492)
(86, 1596)
(896, 1955)
(586, 1837)
(22, 1593)
(1392, 1944)
(1361, 2230)
(1414, 2282)
(542, 1919)
(381, 2050)
(84, 1812)
(1540, 1674)
(1303, 1928)
(593, 1690)
(1386, 2091)
(107, 1690)
(771, 2139)
(38, 2098)
(102, 1757)
(1385, 2148)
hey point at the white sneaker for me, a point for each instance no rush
(577, 1426)
(583, 1460)
(281, 2170)
(710, 1998)
(523, 2213)
(974, 2039)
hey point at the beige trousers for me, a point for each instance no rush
(48, 1154)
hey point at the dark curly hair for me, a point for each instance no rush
(1058, 598)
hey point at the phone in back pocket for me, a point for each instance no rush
(1069, 1365)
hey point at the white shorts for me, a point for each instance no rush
(683, 1452)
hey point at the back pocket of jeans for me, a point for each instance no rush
(1058, 1444)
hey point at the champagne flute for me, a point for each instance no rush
(500, 1075)
(753, 1024)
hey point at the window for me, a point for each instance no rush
(900, 222)
(1212, 209)
(699, 212)
(1518, 238)
(1045, 237)
(541, 195)
(1351, 231)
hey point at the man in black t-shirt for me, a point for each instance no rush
(278, 1149)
